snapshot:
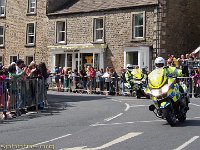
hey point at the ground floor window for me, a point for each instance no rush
(140, 56)
(13, 59)
(78, 60)
(132, 58)
(29, 59)
(60, 60)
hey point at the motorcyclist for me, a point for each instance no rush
(170, 71)
(129, 77)
(137, 75)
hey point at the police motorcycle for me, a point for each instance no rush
(128, 81)
(169, 103)
(139, 82)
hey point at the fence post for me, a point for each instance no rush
(37, 94)
(192, 87)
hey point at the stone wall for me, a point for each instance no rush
(15, 34)
(181, 27)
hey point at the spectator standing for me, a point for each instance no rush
(13, 86)
(57, 78)
(83, 78)
(107, 78)
(99, 75)
(44, 73)
(91, 73)
(184, 66)
(113, 83)
(62, 74)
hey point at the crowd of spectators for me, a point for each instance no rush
(10, 77)
(87, 79)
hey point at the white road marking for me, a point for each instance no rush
(144, 121)
(139, 106)
(117, 123)
(111, 118)
(116, 141)
(127, 107)
(116, 100)
(187, 143)
(194, 104)
(134, 99)
(34, 145)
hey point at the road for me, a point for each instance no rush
(95, 122)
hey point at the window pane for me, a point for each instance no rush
(61, 26)
(61, 36)
(99, 34)
(138, 31)
(99, 23)
(1, 40)
(32, 9)
(138, 19)
(2, 2)
(31, 28)
(31, 39)
(1, 31)
(29, 59)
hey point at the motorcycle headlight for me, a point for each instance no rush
(155, 93)
(165, 88)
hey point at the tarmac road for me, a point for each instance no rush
(95, 122)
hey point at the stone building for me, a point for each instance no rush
(100, 33)
(115, 33)
(23, 31)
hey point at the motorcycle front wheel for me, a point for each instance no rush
(170, 116)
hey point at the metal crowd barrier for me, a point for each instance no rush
(114, 86)
(21, 96)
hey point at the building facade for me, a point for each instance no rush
(23, 32)
(106, 34)
(81, 33)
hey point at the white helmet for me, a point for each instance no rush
(159, 62)
(129, 66)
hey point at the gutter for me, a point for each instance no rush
(100, 10)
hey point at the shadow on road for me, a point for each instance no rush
(57, 103)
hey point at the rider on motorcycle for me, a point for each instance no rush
(129, 77)
(170, 71)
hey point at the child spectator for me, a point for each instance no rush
(13, 87)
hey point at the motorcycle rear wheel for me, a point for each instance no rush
(170, 116)
(182, 118)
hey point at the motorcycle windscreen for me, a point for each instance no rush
(156, 78)
(137, 74)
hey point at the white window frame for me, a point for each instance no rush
(30, 34)
(30, 7)
(133, 27)
(99, 29)
(3, 7)
(11, 58)
(3, 35)
(58, 32)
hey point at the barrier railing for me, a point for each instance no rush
(112, 86)
(21, 96)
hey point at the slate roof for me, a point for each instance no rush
(78, 6)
